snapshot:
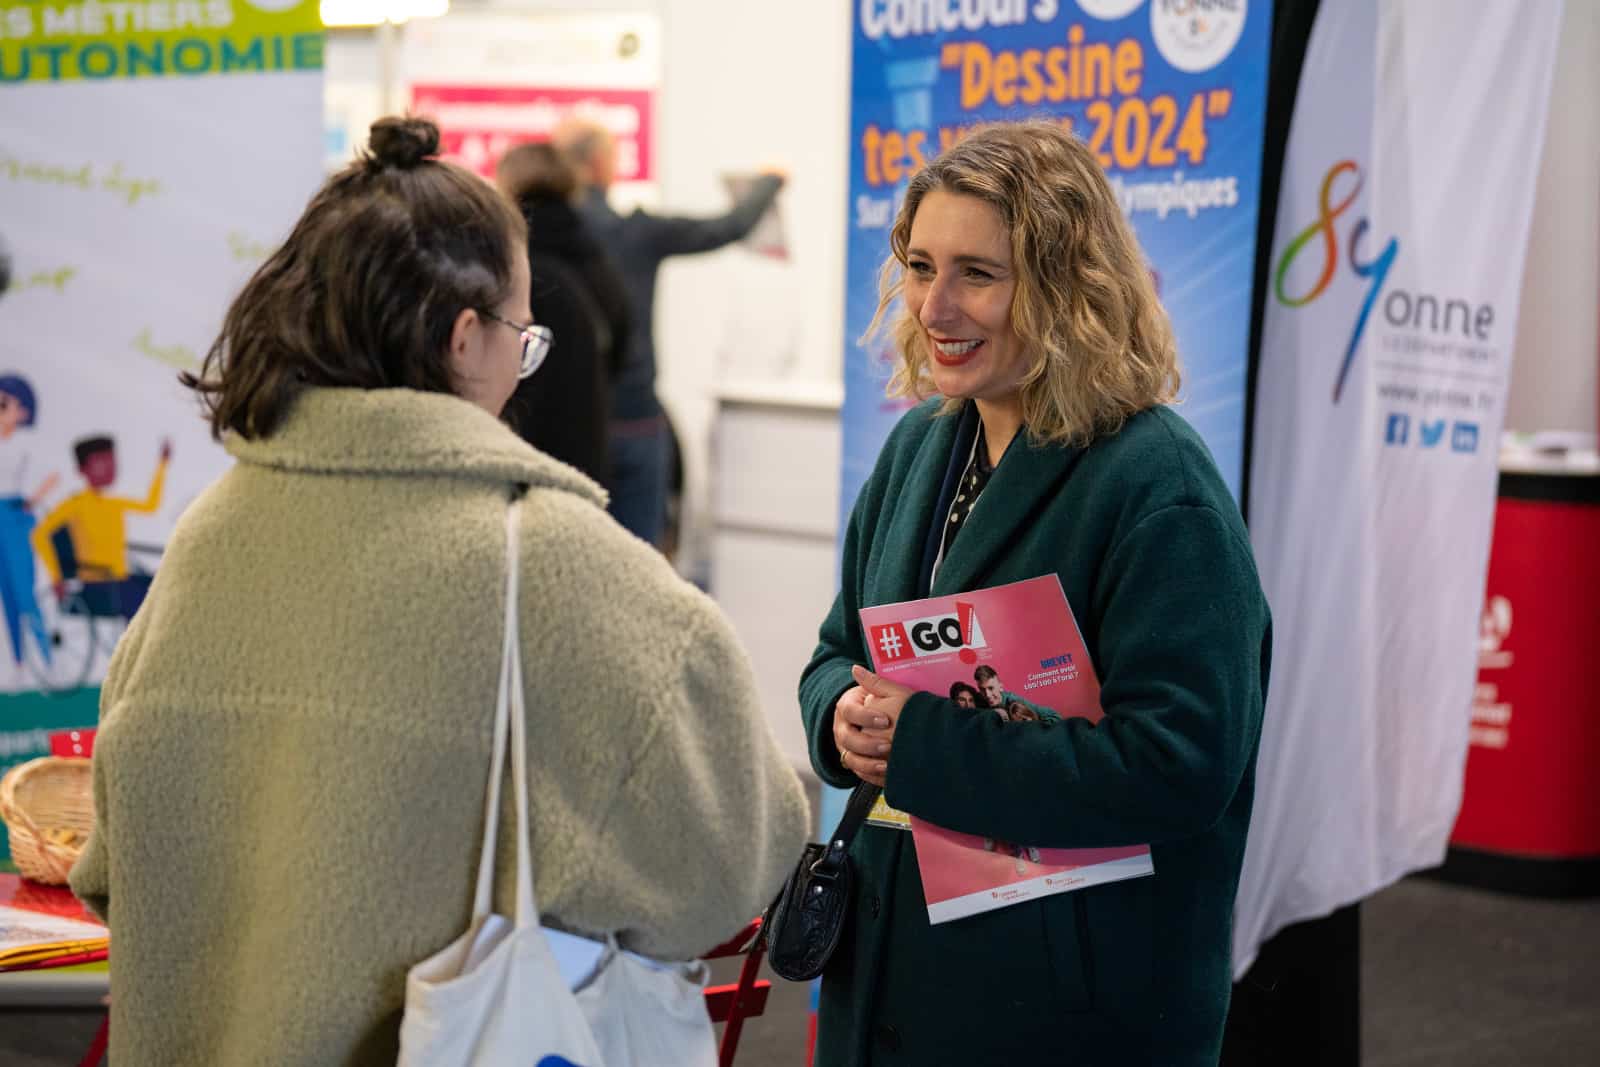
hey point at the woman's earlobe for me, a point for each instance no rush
(461, 331)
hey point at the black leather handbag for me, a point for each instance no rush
(805, 922)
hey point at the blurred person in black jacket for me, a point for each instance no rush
(640, 438)
(565, 407)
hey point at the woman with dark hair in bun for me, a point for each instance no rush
(295, 731)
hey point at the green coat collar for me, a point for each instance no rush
(1028, 477)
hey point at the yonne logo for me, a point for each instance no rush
(1196, 35)
(1375, 269)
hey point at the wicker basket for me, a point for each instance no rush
(44, 797)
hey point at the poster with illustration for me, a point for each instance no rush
(150, 161)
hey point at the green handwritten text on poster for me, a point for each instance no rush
(179, 356)
(88, 177)
(246, 248)
(57, 278)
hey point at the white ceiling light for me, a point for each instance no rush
(374, 12)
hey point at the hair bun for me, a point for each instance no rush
(402, 142)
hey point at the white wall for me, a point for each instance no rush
(1555, 378)
(748, 82)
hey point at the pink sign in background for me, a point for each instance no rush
(478, 123)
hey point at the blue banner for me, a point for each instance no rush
(1170, 95)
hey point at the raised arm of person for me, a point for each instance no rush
(676, 235)
(152, 499)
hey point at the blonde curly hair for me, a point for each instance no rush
(1100, 344)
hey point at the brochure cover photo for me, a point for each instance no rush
(1016, 651)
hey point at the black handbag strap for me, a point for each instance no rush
(856, 810)
(827, 866)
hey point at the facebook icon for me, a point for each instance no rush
(1464, 437)
(1398, 430)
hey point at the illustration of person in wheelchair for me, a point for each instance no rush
(83, 546)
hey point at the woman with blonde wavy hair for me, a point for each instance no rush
(1045, 444)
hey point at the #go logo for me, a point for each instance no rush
(957, 631)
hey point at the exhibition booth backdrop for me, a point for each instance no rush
(152, 156)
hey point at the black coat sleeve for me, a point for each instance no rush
(674, 235)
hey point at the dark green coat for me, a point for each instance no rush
(1156, 564)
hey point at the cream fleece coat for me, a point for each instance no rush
(294, 737)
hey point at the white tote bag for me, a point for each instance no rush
(644, 1012)
(501, 994)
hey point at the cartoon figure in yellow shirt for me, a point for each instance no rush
(95, 548)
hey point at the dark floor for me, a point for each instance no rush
(1462, 976)
(1452, 977)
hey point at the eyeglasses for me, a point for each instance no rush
(536, 342)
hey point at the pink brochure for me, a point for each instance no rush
(1016, 651)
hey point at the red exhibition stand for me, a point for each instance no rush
(1530, 810)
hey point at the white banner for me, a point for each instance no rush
(150, 160)
(1385, 354)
